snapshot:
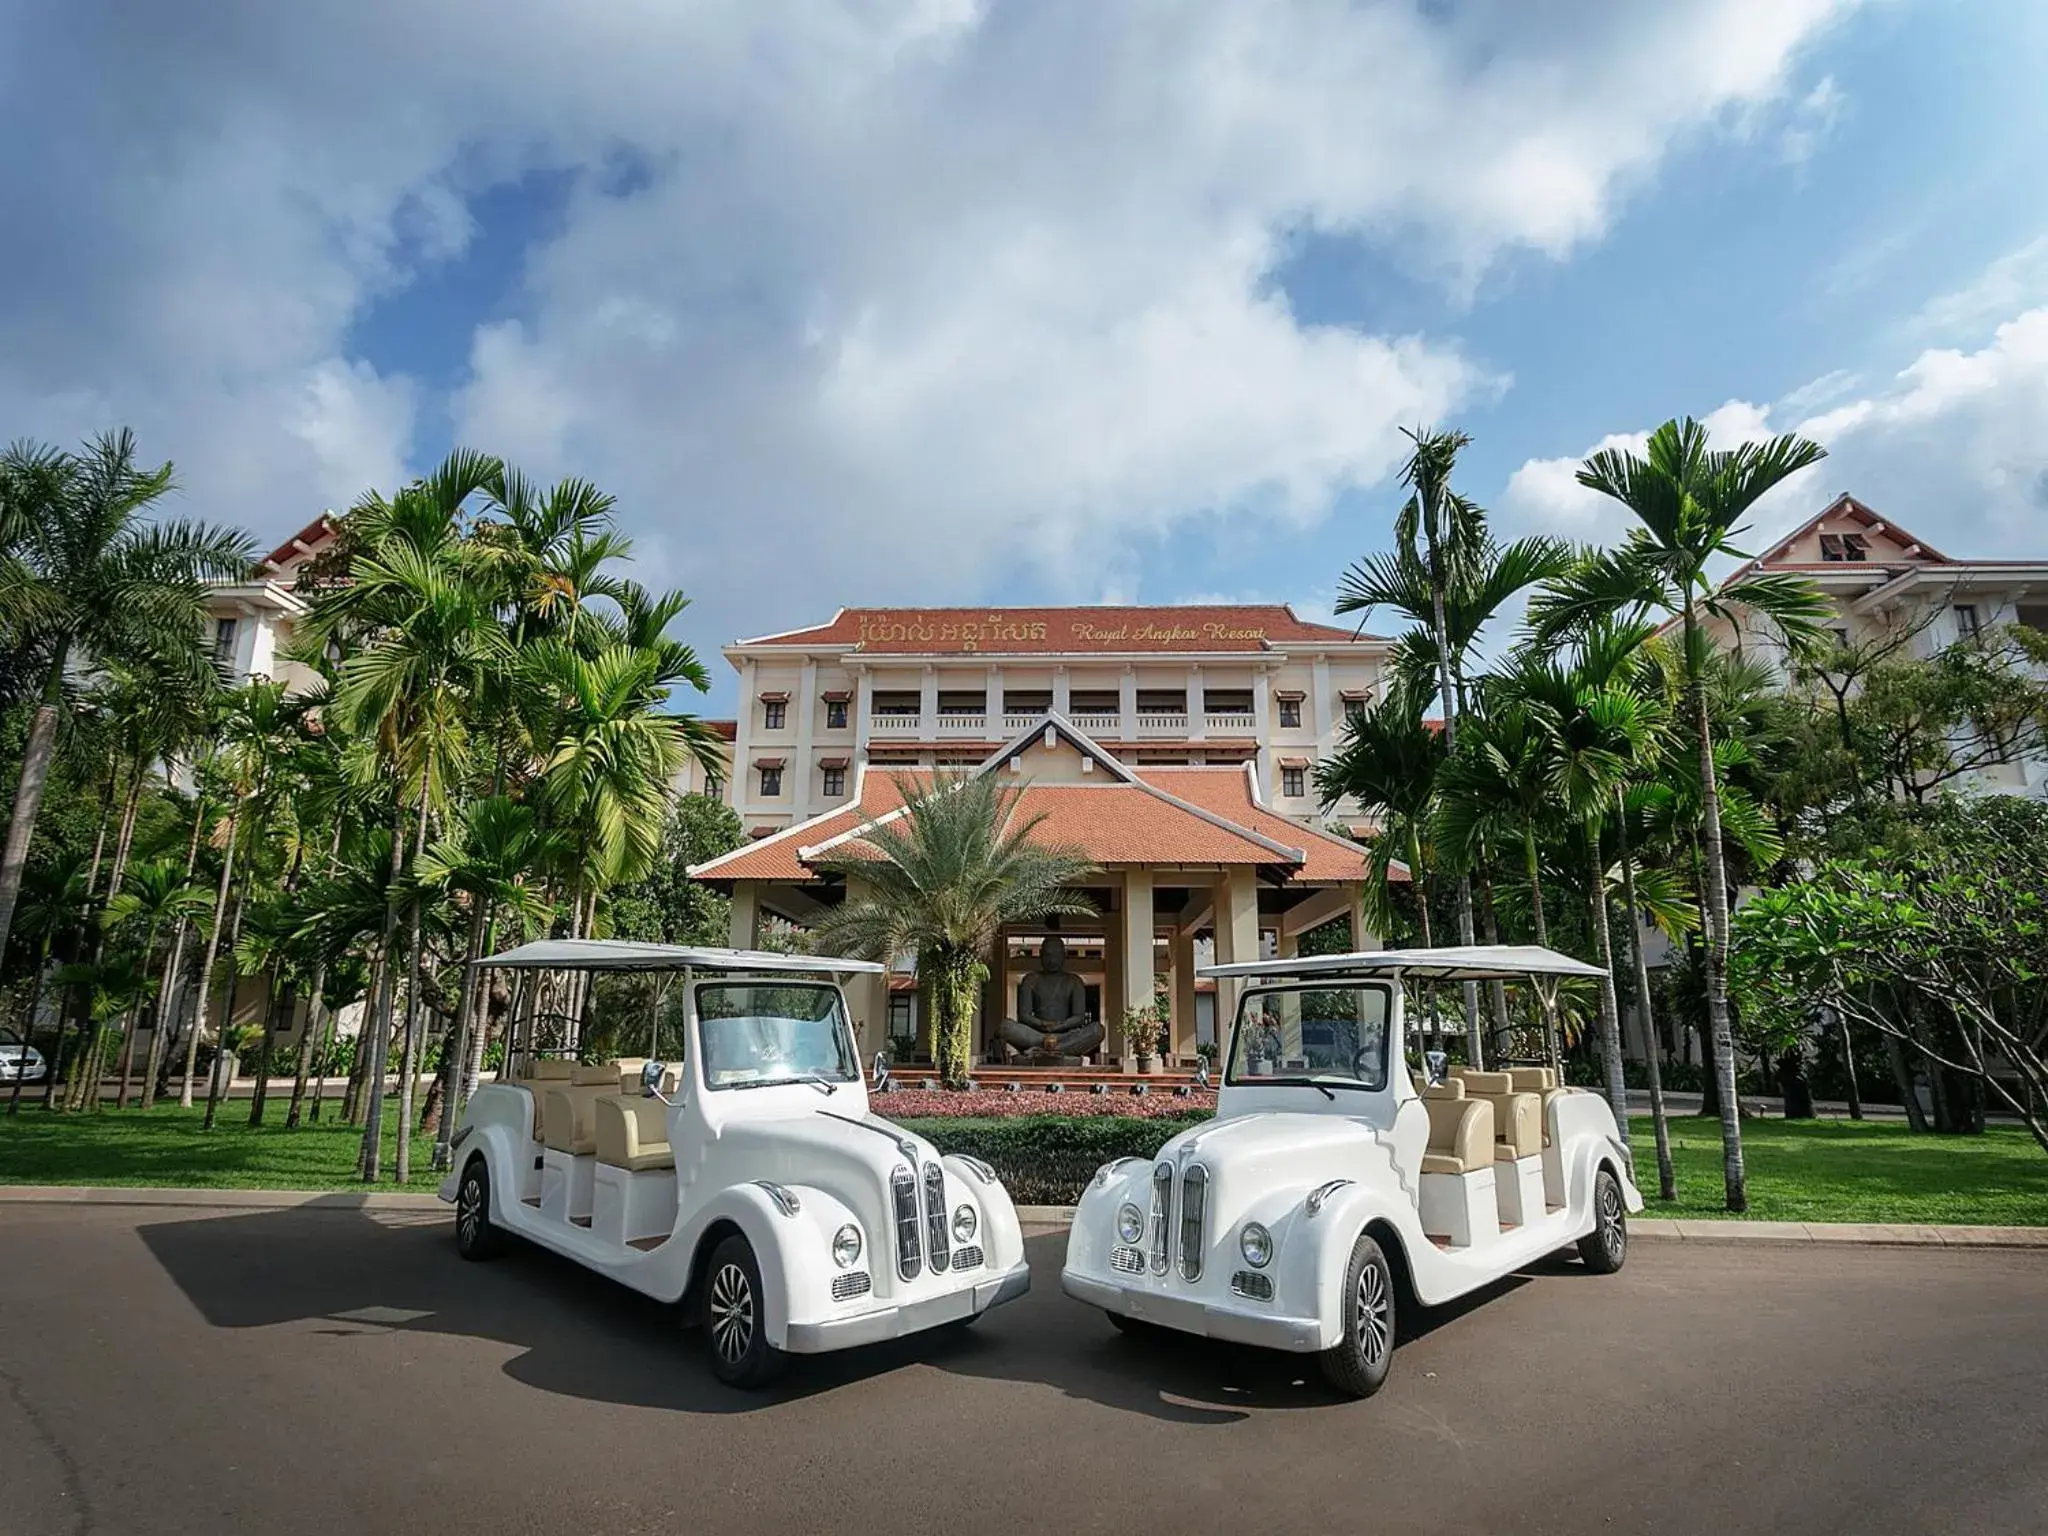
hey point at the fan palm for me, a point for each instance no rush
(87, 578)
(942, 880)
(1691, 502)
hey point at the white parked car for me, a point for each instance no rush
(749, 1182)
(1332, 1180)
(20, 1062)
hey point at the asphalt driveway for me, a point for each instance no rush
(333, 1370)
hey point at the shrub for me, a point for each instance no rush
(1048, 1159)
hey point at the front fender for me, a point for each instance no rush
(498, 1123)
(1002, 1235)
(1333, 1232)
(780, 1245)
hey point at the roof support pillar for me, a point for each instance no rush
(746, 915)
(1183, 954)
(1135, 931)
(1237, 938)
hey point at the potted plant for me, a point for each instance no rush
(1141, 1037)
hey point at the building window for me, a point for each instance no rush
(224, 646)
(835, 714)
(1290, 714)
(773, 712)
(1967, 624)
(1293, 781)
(835, 782)
(1836, 547)
(1355, 707)
(902, 1018)
(1841, 637)
(771, 782)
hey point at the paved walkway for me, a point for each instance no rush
(195, 1372)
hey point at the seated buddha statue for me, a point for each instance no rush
(1052, 1010)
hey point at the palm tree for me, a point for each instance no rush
(158, 891)
(1598, 729)
(1691, 502)
(88, 579)
(942, 880)
(1388, 764)
(51, 900)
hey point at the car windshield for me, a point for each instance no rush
(1328, 1036)
(757, 1034)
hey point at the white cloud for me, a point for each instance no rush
(1955, 447)
(895, 297)
(2010, 284)
(1812, 122)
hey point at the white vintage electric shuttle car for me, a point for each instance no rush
(1330, 1171)
(749, 1182)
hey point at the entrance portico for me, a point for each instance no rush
(1186, 859)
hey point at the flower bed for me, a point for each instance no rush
(1047, 1159)
(984, 1104)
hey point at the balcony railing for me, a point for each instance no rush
(1161, 725)
(1099, 725)
(1229, 722)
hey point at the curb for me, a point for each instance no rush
(1044, 1218)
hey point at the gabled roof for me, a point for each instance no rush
(305, 542)
(1142, 816)
(1199, 628)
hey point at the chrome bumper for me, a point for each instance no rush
(1298, 1335)
(912, 1317)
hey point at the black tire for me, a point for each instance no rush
(1605, 1248)
(741, 1355)
(476, 1237)
(1359, 1362)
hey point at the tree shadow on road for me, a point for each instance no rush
(343, 1270)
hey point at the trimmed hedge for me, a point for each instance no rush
(1049, 1159)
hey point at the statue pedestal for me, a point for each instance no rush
(1051, 1059)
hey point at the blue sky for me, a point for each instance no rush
(974, 300)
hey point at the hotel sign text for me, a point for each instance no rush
(968, 632)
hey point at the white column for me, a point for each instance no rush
(742, 778)
(1362, 938)
(1127, 704)
(994, 706)
(1321, 700)
(928, 703)
(1262, 727)
(746, 915)
(1062, 691)
(1237, 938)
(863, 712)
(1198, 723)
(1137, 936)
(806, 718)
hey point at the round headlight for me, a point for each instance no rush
(964, 1224)
(1256, 1244)
(1130, 1222)
(846, 1245)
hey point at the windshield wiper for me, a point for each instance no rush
(816, 1080)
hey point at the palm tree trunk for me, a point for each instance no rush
(216, 1080)
(308, 1041)
(1529, 859)
(371, 1166)
(161, 1027)
(280, 996)
(1667, 1178)
(95, 1029)
(1734, 1176)
(1610, 1008)
(28, 1027)
(28, 793)
(1496, 991)
(456, 1056)
(409, 1055)
(132, 1028)
(205, 988)
(1849, 1066)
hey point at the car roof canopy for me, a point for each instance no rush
(1462, 962)
(624, 955)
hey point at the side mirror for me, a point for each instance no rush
(1202, 1072)
(651, 1074)
(881, 1071)
(1436, 1064)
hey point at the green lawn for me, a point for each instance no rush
(166, 1146)
(1824, 1170)
(1846, 1170)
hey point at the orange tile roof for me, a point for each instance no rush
(1228, 792)
(1247, 627)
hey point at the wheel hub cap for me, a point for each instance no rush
(1375, 1330)
(732, 1313)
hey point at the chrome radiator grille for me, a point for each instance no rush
(903, 1193)
(1127, 1261)
(1162, 1216)
(850, 1285)
(1194, 1209)
(936, 1238)
(968, 1257)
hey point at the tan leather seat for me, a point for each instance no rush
(572, 1115)
(1517, 1117)
(632, 1133)
(1449, 1088)
(1542, 1082)
(628, 1068)
(1460, 1131)
(543, 1073)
